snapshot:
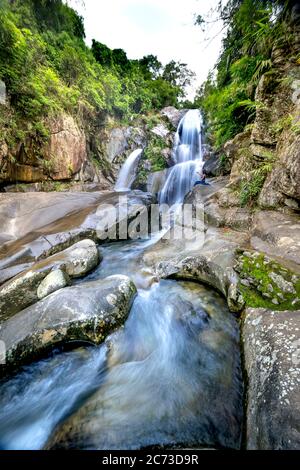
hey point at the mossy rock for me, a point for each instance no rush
(264, 283)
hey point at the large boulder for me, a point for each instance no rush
(121, 141)
(56, 221)
(21, 215)
(67, 148)
(206, 268)
(277, 234)
(25, 288)
(271, 343)
(64, 154)
(173, 116)
(87, 312)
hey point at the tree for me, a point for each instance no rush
(178, 75)
(102, 53)
(120, 59)
(151, 66)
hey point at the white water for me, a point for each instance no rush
(159, 381)
(128, 171)
(188, 157)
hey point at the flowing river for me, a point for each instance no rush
(170, 377)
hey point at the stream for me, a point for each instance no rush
(170, 377)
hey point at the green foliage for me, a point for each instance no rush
(153, 153)
(227, 97)
(102, 53)
(48, 69)
(251, 187)
(263, 290)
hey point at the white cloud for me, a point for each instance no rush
(160, 27)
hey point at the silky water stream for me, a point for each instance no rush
(171, 376)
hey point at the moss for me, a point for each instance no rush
(153, 155)
(259, 271)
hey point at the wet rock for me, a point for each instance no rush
(271, 342)
(54, 281)
(22, 290)
(49, 223)
(19, 215)
(86, 312)
(209, 270)
(174, 389)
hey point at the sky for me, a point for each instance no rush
(160, 27)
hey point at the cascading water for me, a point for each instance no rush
(188, 159)
(128, 171)
(161, 380)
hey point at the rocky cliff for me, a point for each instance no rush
(263, 161)
(76, 156)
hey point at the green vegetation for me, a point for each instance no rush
(227, 97)
(265, 283)
(153, 153)
(48, 69)
(251, 184)
(152, 159)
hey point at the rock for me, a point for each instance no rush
(157, 180)
(238, 218)
(49, 223)
(173, 115)
(269, 284)
(66, 150)
(117, 143)
(63, 155)
(22, 290)
(122, 141)
(271, 343)
(21, 215)
(282, 284)
(60, 318)
(214, 166)
(207, 269)
(56, 280)
(237, 152)
(273, 94)
(277, 234)
(3, 94)
(284, 180)
(160, 130)
(228, 198)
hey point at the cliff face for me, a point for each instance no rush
(265, 158)
(75, 155)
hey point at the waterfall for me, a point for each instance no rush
(187, 155)
(128, 171)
